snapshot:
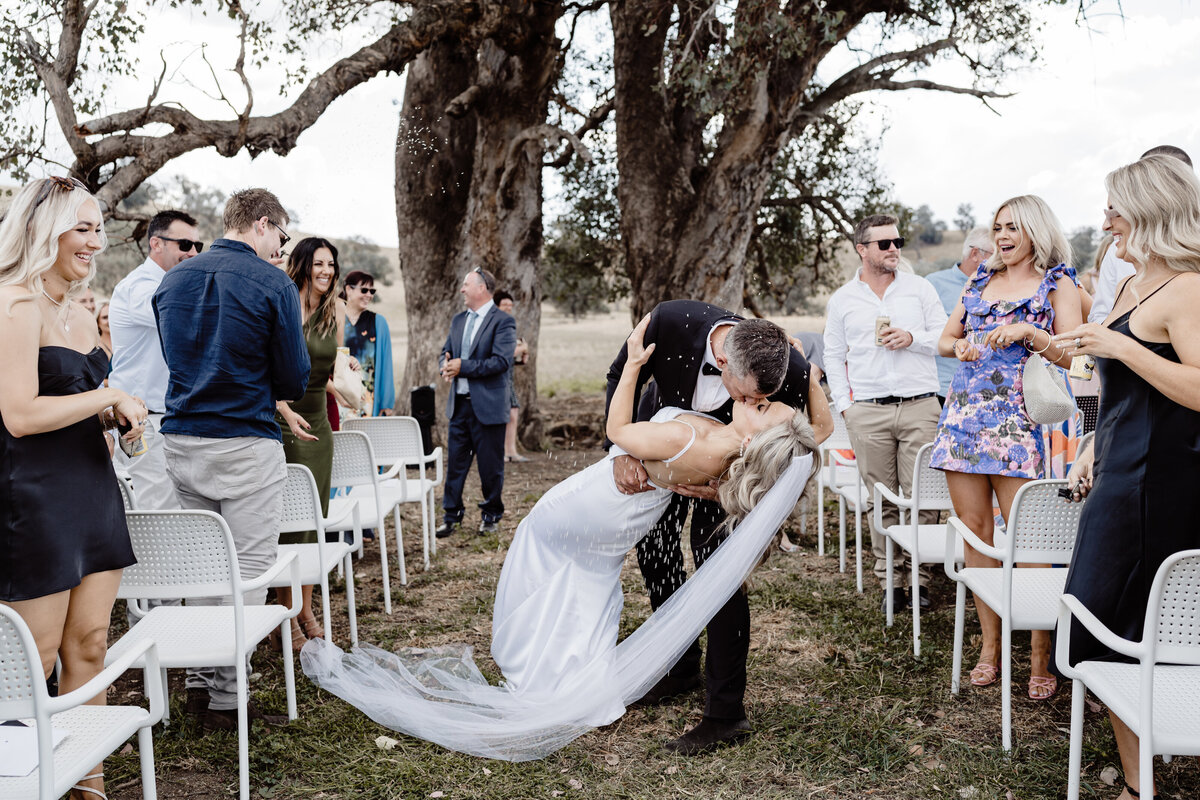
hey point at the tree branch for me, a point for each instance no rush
(592, 122)
(535, 133)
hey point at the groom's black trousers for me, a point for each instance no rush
(661, 560)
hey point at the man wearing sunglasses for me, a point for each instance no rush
(138, 364)
(881, 332)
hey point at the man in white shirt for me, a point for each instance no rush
(893, 379)
(138, 366)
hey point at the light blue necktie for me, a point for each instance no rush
(466, 340)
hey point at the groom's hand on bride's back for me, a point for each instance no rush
(630, 476)
(705, 491)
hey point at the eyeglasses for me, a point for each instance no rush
(283, 237)
(1110, 214)
(367, 290)
(185, 245)
(886, 244)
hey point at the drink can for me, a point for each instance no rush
(1082, 367)
(881, 322)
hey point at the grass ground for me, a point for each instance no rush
(840, 707)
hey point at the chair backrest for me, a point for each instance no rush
(394, 440)
(1042, 524)
(180, 554)
(929, 487)
(353, 459)
(1173, 613)
(301, 501)
(127, 495)
(20, 667)
(840, 438)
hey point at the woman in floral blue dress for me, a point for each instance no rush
(986, 442)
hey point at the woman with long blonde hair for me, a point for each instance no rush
(1142, 503)
(986, 443)
(62, 525)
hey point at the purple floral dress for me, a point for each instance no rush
(984, 428)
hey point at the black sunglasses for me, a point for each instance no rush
(886, 244)
(185, 245)
(283, 237)
(366, 290)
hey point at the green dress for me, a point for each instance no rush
(318, 455)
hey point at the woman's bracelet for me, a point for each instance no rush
(1049, 341)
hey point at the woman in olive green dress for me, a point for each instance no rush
(307, 436)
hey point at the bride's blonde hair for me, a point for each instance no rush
(767, 455)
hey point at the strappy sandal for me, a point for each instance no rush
(1134, 792)
(312, 629)
(276, 638)
(984, 674)
(88, 789)
(1042, 687)
(787, 545)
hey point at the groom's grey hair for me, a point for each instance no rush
(758, 348)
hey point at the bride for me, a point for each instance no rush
(558, 601)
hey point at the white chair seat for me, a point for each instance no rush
(342, 506)
(199, 636)
(92, 733)
(1176, 700)
(309, 558)
(930, 544)
(1035, 593)
(409, 490)
(856, 496)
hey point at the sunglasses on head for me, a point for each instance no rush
(52, 183)
(886, 244)
(185, 245)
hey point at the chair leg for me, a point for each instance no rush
(915, 594)
(858, 558)
(327, 618)
(887, 591)
(383, 561)
(166, 699)
(399, 546)
(243, 694)
(1078, 693)
(350, 601)
(821, 510)
(1006, 682)
(146, 756)
(425, 529)
(841, 534)
(289, 669)
(960, 613)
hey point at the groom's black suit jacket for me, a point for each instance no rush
(679, 330)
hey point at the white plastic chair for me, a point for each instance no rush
(397, 445)
(354, 470)
(190, 554)
(1157, 696)
(93, 732)
(128, 498)
(1041, 529)
(302, 512)
(828, 475)
(925, 544)
(847, 483)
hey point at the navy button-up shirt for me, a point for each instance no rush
(231, 331)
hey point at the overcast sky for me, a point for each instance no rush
(1099, 97)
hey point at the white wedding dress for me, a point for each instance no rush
(554, 625)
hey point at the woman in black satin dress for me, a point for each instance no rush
(1142, 504)
(63, 540)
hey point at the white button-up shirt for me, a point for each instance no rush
(463, 386)
(710, 392)
(1112, 271)
(852, 359)
(138, 366)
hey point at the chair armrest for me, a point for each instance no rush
(1101, 631)
(106, 677)
(287, 560)
(393, 471)
(898, 500)
(841, 461)
(968, 536)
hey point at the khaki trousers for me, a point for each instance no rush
(886, 439)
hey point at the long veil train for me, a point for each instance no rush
(440, 695)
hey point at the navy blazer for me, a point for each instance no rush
(486, 366)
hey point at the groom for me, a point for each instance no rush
(705, 359)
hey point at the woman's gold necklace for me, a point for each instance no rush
(59, 304)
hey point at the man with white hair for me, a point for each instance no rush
(949, 282)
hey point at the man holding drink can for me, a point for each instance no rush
(881, 335)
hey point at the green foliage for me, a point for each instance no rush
(359, 252)
(1084, 242)
(925, 228)
(583, 266)
(964, 217)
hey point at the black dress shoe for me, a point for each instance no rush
(228, 721)
(670, 686)
(709, 735)
(446, 528)
(489, 527)
(923, 594)
(197, 702)
(899, 600)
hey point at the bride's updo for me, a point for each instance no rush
(767, 455)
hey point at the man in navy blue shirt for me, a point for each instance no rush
(231, 331)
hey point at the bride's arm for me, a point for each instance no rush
(643, 440)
